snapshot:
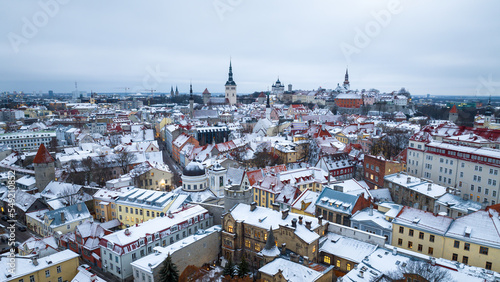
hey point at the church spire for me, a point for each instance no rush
(230, 80)
(346, 81)
(190, 91)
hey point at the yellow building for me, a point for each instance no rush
(105, 204)
(420, 231)
(342, 138)
(152, 176)
(474, 239)
(61, 266)
(140, 205)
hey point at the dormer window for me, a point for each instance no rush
(150, 238)
(141, 242)
(110, 245)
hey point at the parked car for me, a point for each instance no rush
(5, 218)
(21, 228)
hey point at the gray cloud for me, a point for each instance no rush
(437, 47)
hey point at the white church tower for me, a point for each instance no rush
(231, 87)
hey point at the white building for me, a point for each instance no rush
(473, 171)
(120, 249)
(27, 140)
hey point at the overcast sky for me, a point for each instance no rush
(437, 47)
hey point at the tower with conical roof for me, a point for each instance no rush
(176, 91)
(45, 171)
(270, 251)
(453, 115)
(172, 91)
(231, 87)
(346, 80)
(206, 96)
(191, 100)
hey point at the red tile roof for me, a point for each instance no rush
(43, 156)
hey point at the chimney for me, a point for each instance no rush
(306, 261)
(93, 278)
(320, 219)
(308, 224)
(433, 261)
(63, 219)
(253, 205)
(283, 249)
(360, 274)
(34, 260)
(370, 211)
(284, 213)
(300, 219)
(276, 206)
(408, 179)
(395, 251)
(429, 187)
(294, 257)
(294, 223)
(79, 207)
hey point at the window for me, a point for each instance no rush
(257, 247)
(58, 269)
(488, 265)
(134, 256)
(466, 246)
(47, 273)
(32, 278)
(410, 245)
(421, 235)
(410, 232)
(483, 250)
(420, 247)
(431, 251)
(230, 228)
(400, 242)
(431, 238)
(348, 267)
(326, 259)
(454, 257)
(465, 260)
(456, 244)
(338, 264)
(401, 229)
(59, 279)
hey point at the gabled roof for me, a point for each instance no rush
(43, 156)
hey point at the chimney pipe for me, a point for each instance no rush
(408, 179)
(306, 261)
(276, 206)
(320, 219)
(284, 214)
(395, 251)
(300, 219)
(429, 187)
(294, 223)
(283, 249)
(308, 224)
(253, 206)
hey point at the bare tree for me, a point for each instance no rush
(125, 159)
(70, 195)
(423, 269)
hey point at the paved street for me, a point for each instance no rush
(170, 162)
(21, 236)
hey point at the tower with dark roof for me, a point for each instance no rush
(176, 91)
(172, 91)
(191, 100)
(346, 80)
(45, 171)
(231, 86)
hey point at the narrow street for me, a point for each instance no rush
(170, 162)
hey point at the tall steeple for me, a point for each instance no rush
(171, 91)
(346, 80)
(230, 86)
(191, 99)
(230, 80)
(176, 91)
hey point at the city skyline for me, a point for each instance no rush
(426, 47)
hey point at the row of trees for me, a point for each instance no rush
(99, 169)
